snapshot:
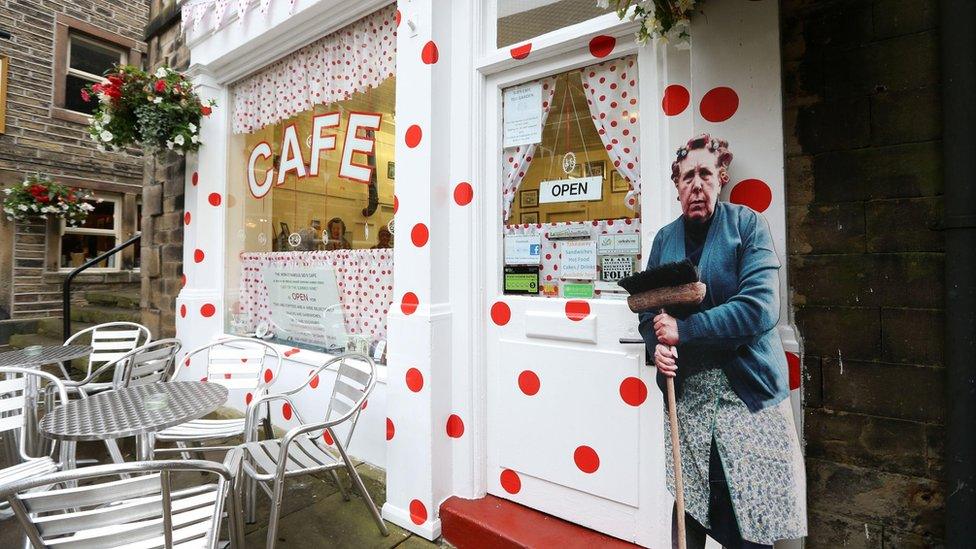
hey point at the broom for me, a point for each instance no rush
(670, 285)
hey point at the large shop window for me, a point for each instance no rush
(310, 206)
(520, 20)
(571, 182)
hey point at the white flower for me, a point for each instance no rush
(33, 207)
(194, 139)
(104, 98)
(603, 4)
(193, 127)
(25, 184)
(106, 136)
(686, 5)
(8, 211)
(8, 190)
(86, 206)
(160, 72)
(100, 147)
(22, 207)
(169, 144)
(179, 140)
(157, 100)
(105, 118)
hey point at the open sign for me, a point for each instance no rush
(571, 190)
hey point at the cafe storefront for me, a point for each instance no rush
(454, 188)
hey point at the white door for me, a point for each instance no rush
(575, 419)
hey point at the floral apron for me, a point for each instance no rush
(760, 455)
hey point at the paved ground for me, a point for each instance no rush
(314, 515)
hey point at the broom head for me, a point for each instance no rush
(672, 285)
(662, 276)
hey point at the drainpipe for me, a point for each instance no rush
(958, 56)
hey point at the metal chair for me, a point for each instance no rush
(109, 342)
(140, 511)
(18, 395)
(302, 450)
(236, 363)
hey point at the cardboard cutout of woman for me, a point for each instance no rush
(744, 481)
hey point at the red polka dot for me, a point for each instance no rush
(719, 104)
(419, 235)
(315, 382)
(429, 54)
(511, 482)
(415, 380)
(208, 310)
(577, 309)
(413, 136)
(396, 17)
(529, 382)
(455, 427)
(676, 99)
(463, 194)
(328, 438)
(248, 398)
(418, 512)
(601, 46)
(292, 351)
(793, 361)
(183, 314)
(186, 362)
(501, 313)
(363, 407)
(633, 391)
(390, 429)
(753, 193)
(186, 218)
(183, 279)
(409, 303)
(198, 255)
(268, 376)
(586, 459)
(214, 199)
(521, 52)
(194, 179)
(396, 204)
(286, 411)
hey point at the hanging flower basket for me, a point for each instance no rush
(155, 111)
(38, 196)
(667, 21)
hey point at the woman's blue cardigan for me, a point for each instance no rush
(736, 327)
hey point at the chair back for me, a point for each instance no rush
(18, 400)
(150, 363)
(101, 508)
(110, 341)
(355, 379)
(239, 363)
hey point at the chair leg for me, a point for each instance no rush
(358, 482)
(277, 496)
(342, 487)
(250, 500)
(113, 450)
(184, 455)
(235, 529)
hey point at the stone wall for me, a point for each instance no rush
(162, 240)
(864, 182)
(38, 140)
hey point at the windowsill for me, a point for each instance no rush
(312, 359)
(61, 113)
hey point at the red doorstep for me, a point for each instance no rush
(501, 524)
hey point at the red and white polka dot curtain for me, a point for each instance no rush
(611, 93)
(516, 160)
(353, 59)
(364, 277)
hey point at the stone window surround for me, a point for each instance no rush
(64, 26)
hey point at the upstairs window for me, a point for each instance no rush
(87, 62)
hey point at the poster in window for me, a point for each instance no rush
(3, 93)
(529, 198)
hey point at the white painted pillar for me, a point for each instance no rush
(199, 307)
(419, 464)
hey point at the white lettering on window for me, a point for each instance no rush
(355, 144)
(262, 150)
(291, 155)
(322, 142)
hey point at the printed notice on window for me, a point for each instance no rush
(523, 115)
(304, 304)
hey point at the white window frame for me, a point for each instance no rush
(93, 78)
(115, 232)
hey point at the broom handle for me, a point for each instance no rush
(679, 485)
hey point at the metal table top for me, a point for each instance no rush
(48, 355)
(133, 411)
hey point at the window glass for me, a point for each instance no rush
(72, 94)
(571, 182)
(97, 234)
(520, 20)
(102, 217)
(310, 251)
(92, 57)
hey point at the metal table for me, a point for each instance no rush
(52, 354)
(134, 411)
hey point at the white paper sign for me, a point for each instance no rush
(523, 115)
(571, 190)
(578, 259)
(618, 244)
(523, 250)
(615, 267)
(304, 304)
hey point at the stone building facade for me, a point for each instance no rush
(46, 134)
(162, 239)
(864, 176)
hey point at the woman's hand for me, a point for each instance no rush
(665, 360)
(666, 329)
